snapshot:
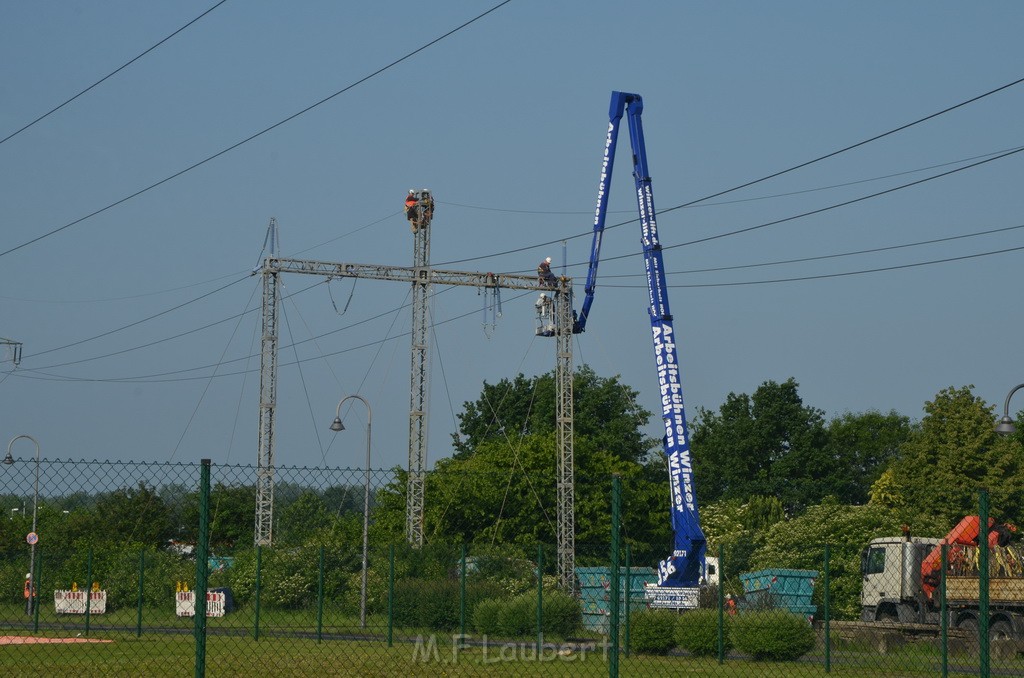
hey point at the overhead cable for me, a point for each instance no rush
(256, 135)
(109, 75)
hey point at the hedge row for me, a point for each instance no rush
(434, 604)
(773, 635)
(517, 616)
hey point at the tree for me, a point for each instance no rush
(769, 444)
(606, 411)
(302, 518)
(863, 445)
(953, 454)
(501, 487)
(799, 543)
(507, 494)
(738, 528)
(132, 514)
(232, 508)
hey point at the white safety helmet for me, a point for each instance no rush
(548, 259)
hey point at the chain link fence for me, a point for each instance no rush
(110, 588)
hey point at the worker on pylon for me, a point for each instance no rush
(411, 209)
(544, 275)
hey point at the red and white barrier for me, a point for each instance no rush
(185, 604)
(73, 602)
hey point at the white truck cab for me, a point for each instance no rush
(891, 568)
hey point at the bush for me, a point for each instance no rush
(653, 631)
(485, 616)
(697, 632)
(563, 615)
(518, 616)
(775, 635)
(116, 570)
(288, 577)
(434, 604)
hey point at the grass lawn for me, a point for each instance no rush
(173, 654)
(288, 646)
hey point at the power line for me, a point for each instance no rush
(755, 181)
(109, 75)
(26, 373)
(839, 275)
(139, 322)
(874, 250)
(722, 235)
(852, 146)
(822, 257)
(744, 230)
(748, 228)
(257, 134)
(127, 297)
(848, 202)
(770, 196)
(151, 377)
(165, 339)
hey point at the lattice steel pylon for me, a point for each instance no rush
(268, 407)
(419, 381)
(421, 276)
(566, 519)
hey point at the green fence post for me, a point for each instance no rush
(540, 598)
(138, 610)
(721, 604)
(613, 622)
(256, 592)
(626, 601)
(88, 591)
(828, 638)
(320, 599)
(983, 583)
(391, 594)
(202, 567)
(462, 593)
(37, 586)
(944, 611)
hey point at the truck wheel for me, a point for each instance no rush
(1000, 630)
(969, 624)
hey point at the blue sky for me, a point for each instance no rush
(504, 120)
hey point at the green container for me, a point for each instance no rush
(779, 589)
(595, 587)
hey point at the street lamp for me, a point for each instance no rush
(35, 506)
(1006, 426)
(336, 426)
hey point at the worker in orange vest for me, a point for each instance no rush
(411, 211)
(30, 590)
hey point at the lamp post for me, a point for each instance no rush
(1006, 426)
(338, 426)
(29, 602)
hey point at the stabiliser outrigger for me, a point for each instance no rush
(687, 564)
